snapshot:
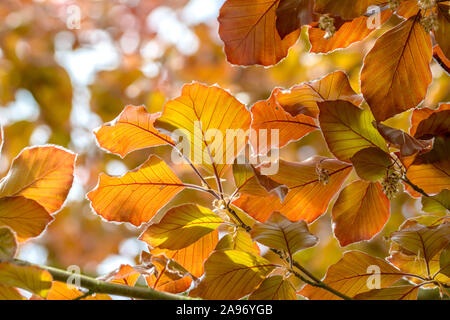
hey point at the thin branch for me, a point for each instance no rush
(415, 187)
(99, 286)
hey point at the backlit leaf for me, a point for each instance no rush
(231, 274)
(192, 257)
(136, 196)
(274, 288)
(280, 233)
(181, 226)
(131, 130)
(26, 217)
(396, 72)
(29, 278)
(268, 116)
(371, 164)
(348, 33)
(200, 109)
(8, 244)
(423, 241)
(248, 30)
(303, 98)
(43, 174)
(360, 212)
(407, 292)
(239, 240)
(309, 194)
(347, 9)
(350, 276)
(348, 129)
(439, 202)
(61, 291)
(426, 123)
(9, 293)
(444, 261)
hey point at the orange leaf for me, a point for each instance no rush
(181, 226)
(407, 9)
(407, 292)
(348, 33)
(43, 174)
(431, 171)
(8, 244)
(303, 98)
(360, 212)
(308, 196)
(192, 257)
(231, 274)
(274, 288)
(396, 72)
(26, 217)
(248, 30)
(346, 9)
(350, 276)
(166, 279)
(268, 115)
(426, 123)
(441, 34)
(29, 278)
(200, 109)
(61, 291)
(348, 129)
(131, 130)
(126, 275)
(136, 196)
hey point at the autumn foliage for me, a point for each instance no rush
(247, 237)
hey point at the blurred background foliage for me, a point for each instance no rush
(61, 77)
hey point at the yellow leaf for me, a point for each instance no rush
(29, 278)
(248, 29)
(181, 226)
(26, 217)
(136, 196)
(43, 174)
(360, 212)
(8, 244)
(280, 233)
(274, 288)
(396, 72)
(351, 275)
(8, 293)
(239, 240)
(348, 129)
(231, 274)
(207, 115)
(131, 130)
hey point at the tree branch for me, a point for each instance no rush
(99, 286)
